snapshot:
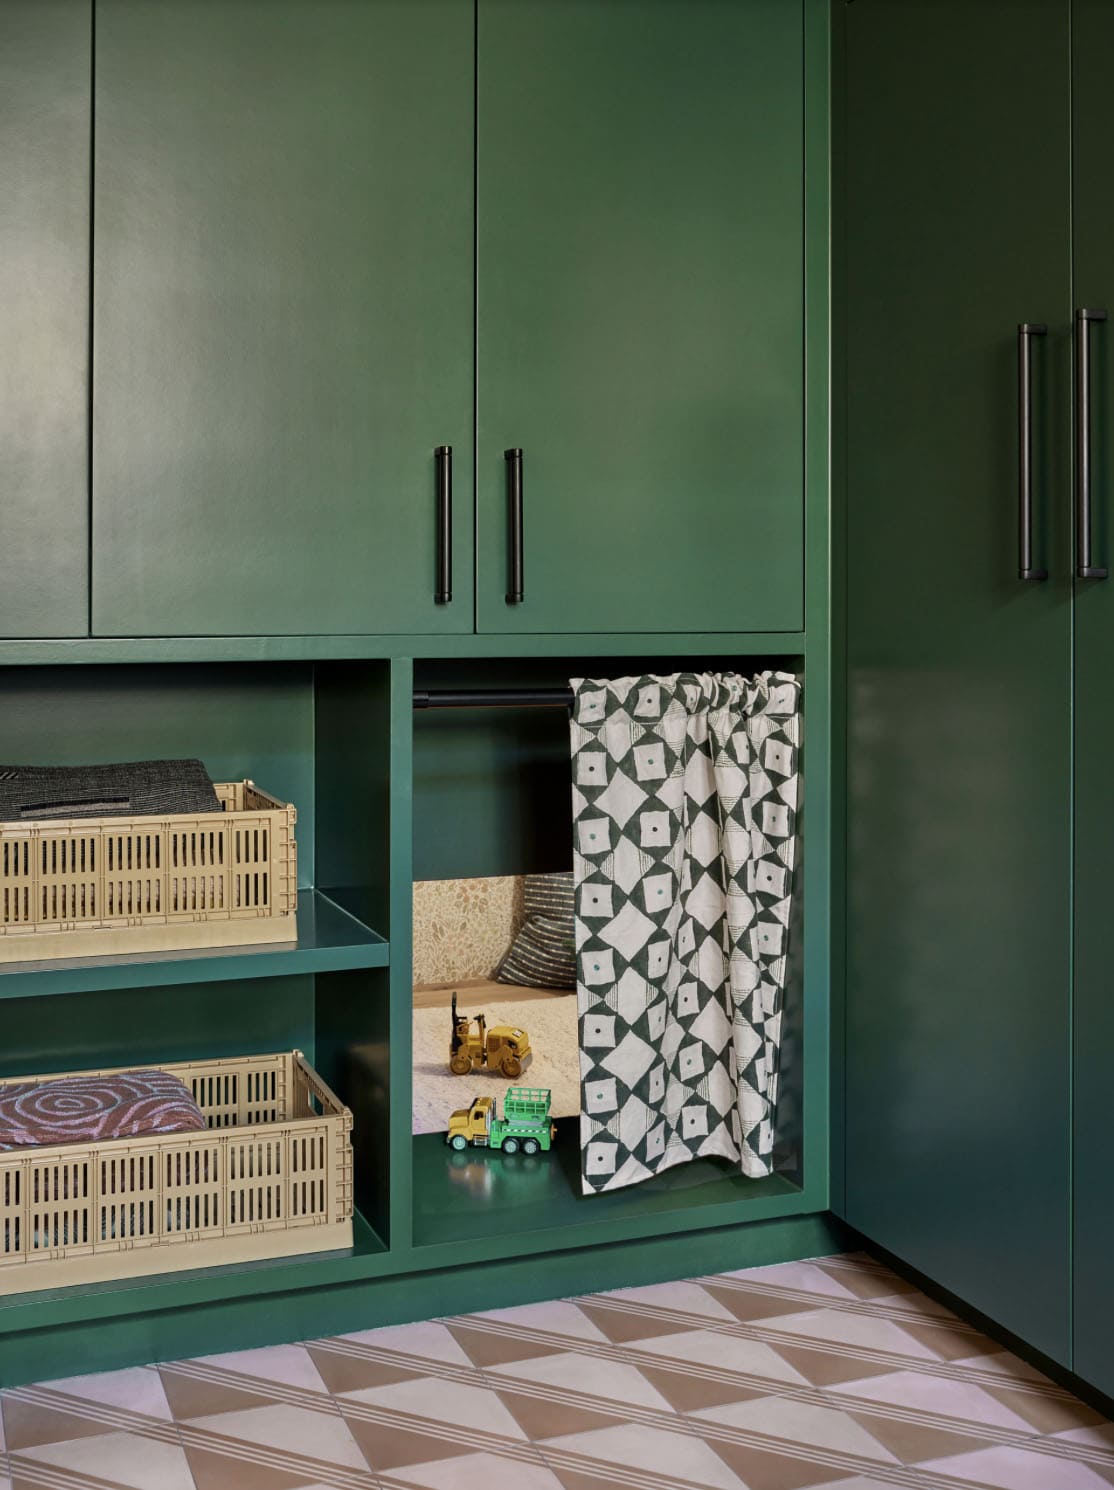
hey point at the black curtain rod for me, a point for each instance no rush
(493, 698)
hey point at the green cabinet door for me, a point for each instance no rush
(45, 128)
(956, 199)
(639, 199)
(1093, 250)
(283, 314)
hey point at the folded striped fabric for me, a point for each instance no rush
(84, 1109)
(543, 954)
(127, 789)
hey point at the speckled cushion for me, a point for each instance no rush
(129, 789)
(84, 1109)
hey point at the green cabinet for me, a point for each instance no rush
(314, 262)
(1093, 252)
(45, 129)
(640, 313)
(957, 215)
(282, 314)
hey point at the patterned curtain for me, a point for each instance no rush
(685, 791)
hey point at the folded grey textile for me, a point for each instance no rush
(129, 789)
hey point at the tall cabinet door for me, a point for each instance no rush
(959, 698)
(640, 314)
(283, 314)
(1093, 246)
(45, 131)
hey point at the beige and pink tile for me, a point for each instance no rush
(126, 1460)
(1007, 1468)
(655, 1451)
(826, 1375)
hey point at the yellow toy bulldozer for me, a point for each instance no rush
(498, 1049)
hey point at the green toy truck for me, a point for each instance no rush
(524, 1125)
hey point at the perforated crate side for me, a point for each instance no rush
(87, 886)
(126, 1207)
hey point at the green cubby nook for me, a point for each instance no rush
(338, 1020)
(491, 797)
(313, 734)
(316, 734)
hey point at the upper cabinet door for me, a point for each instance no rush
(283, 314)
(45, 82)
(640, 314)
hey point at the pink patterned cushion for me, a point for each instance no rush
(81, 1109)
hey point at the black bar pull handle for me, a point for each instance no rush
(443, 456)
(1085, 568)
(1025, 333)
(514, 506)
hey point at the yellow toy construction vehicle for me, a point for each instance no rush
(524, 1125)
(499, 1049)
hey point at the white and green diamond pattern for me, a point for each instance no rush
(685, 791)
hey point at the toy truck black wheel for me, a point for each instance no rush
(510, 1145)
(530, 1145)
(458, 1142)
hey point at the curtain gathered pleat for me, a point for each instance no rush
(685, 793)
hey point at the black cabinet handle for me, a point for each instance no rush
(1084, 567)
(443, 456)
(1025, 333)
(514, 505)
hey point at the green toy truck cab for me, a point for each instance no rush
(524, 1125)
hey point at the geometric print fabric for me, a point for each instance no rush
(685, 795)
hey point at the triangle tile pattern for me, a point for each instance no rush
(831, 1375)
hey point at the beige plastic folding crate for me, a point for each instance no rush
(272, 1177)
(82, 887)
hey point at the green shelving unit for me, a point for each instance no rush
(326, 721)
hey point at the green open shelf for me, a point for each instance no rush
(480, 1203)
(329, 940)
(60, 1306)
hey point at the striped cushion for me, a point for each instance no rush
(543, 954)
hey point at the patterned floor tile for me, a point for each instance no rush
(289, 1432)
(427, 1339)
(479, 1472)
(286, 1365)
(1017, 1469)
(849, 1331)
(138, 1390)
(559, 1317)
(655, 1451)
(800, 1423)
(611, 1381)
(961, 1400)
(485, 1342)
(117, 1459)
(804, 1277)
(832, 1374)
(720, 1353)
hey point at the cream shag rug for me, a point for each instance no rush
(551, 1025)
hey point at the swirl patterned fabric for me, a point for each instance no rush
(81, 1109)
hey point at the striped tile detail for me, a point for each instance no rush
(833, 1373)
